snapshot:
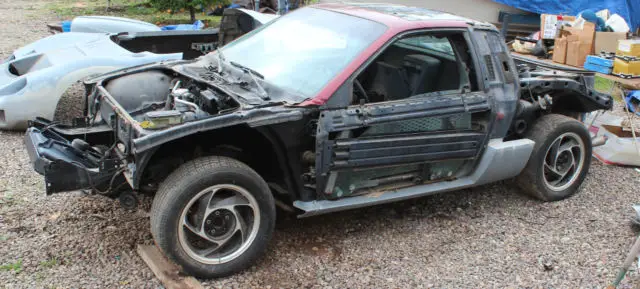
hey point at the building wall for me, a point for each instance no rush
(483, 10)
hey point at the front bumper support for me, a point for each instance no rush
(64, 167)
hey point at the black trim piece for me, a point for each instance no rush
(490, 68)
(437, 138)
(392, 160)
(403, 150)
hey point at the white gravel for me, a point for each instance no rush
(482, 238)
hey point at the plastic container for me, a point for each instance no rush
(597, 68)
(633, 101)
(66, 26)
(631, 68)
(620, 148)
(617, 24)
(600, 61)
(198, 25)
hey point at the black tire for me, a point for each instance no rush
(182, 185)
(544, 133)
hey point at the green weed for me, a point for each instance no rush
(50, 263)
(17, 266)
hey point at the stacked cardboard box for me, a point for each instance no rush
(628, 48)
(608, 41)
(560, 48)
(574, 45)
(627, 62)
(549, 24)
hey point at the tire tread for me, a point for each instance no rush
(169, 193)
(544, 127)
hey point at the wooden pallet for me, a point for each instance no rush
(168, 273)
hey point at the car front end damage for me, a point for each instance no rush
(70, 165)
(36, 76)
(131, 113)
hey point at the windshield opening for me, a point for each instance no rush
(302, 51)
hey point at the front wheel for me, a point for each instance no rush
(213, 216)
(560, 159)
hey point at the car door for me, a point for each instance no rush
(413, 114)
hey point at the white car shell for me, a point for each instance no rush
(110, 24)
(34, 78)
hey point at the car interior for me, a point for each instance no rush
(416, 66)
(420, 65)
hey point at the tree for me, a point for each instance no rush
(189, 5)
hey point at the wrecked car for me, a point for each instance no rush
(110, 24)
(341, 107)
(36, 76)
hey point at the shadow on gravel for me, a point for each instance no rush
(463, 205)
(449, 205)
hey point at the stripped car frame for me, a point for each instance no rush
(425, 103)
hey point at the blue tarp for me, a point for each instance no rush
(633, 101)
(198, 25)
(628, 9)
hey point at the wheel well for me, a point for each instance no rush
(528, 112)
(573, 102)
(248, 145)
(71, 104)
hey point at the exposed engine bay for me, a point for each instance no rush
(545, 91)
(157, 99)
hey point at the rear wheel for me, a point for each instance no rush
(560, 159)
(213, 216)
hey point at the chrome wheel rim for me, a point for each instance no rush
(563, 161)
(219, 224)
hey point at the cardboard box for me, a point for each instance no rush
(586, 34)
(548, 25)
(608, 41)
(577, 53)
(579, 48)
(629, 48)
(560, 50)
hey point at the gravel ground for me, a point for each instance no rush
(487, 237)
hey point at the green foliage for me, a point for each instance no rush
(603, 85)
(608, 86)
(7, 199)
(190, 5)
(181, 5)
(135, 9)
(17, 266)
(49, 263)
